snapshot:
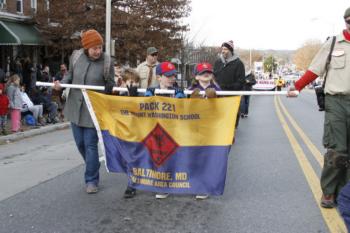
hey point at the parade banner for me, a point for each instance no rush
(165, 144)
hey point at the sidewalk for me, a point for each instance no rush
(32, 131)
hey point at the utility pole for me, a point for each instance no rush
(250, 58)
(108, 27)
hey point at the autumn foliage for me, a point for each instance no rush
(136, 24)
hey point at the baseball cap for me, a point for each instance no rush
(166, 68)
(151, 50)
(200, 68)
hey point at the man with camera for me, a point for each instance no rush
(331, 64)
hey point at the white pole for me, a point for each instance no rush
(108, 27)
(162, 91)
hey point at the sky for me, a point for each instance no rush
(265, 24)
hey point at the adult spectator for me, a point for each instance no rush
(249, 82)
(147, 69)
(28, 105)
(2, 76)
(46, 77)
(337, 106)
(87, 67)
(63, 72)
(43, 97)
(27, 73)
(57, 94)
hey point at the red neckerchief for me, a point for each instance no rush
(346, 35)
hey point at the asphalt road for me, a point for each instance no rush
(267, 189)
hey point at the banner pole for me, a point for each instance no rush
(162, 91)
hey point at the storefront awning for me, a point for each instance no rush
(15, 33)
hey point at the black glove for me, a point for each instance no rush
(150, 91)
(179, 93)
(132, 90)
(108, 88)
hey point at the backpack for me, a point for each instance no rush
(106, 66)
(76, 55)
(30, 120)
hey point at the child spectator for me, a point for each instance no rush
(4, 108)
(14, 95)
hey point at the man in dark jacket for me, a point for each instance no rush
(229, 70)
(249, 82)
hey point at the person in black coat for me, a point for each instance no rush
(249, 82)
(229, 70)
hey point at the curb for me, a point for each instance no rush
(33, 132)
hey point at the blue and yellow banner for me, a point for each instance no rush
(165, 144)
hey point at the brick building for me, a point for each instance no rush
(19, 38)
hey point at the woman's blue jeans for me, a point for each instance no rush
(86, 140)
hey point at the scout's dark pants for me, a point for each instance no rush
(336, 136)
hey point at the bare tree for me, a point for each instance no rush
(304, 55)
(136, 24)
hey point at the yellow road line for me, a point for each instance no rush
(313, 149)
(331, 216)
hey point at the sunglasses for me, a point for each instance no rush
(347, 21)
(154, 54)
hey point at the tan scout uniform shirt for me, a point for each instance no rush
(338, 78)
(143, 71)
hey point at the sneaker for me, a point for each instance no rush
(42, 121)
(201, 197)
(210, 93)
(195, 94)
(162, 195)
(91, 188)
(327, 201)
(129, 192)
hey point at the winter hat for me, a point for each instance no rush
(228, 45)
(166, 68)
(91, 38)
(347, 13)
(203, 67)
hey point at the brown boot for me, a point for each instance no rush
(328, 201)
(210, 93)
(195, 94)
